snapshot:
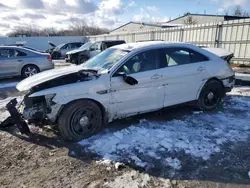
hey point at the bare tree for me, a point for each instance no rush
(75, 29)
(238, 11)
(189, 20)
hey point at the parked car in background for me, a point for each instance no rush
(123, 81)
(50, 50)
(60, 51)
(89, 50)
(21, 61)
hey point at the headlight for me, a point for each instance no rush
(49, 99)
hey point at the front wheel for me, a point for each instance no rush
(80, 120)
(211, 96)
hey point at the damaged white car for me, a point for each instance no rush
(123, 81)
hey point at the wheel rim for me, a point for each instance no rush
(29, 71)
(83, 122)
(212, 97)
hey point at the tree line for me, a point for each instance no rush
(74, 29)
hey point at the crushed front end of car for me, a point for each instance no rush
(41, 110)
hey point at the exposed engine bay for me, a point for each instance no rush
(41, 109)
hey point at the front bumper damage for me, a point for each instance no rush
(38, 111)
(15, 118)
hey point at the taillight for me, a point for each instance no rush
(49, 58)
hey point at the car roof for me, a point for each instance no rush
(22, 49)
(109, 41)
(140, 45)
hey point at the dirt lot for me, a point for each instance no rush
(177, 147)
(217, 154)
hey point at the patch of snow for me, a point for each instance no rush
(3, 112)
(197, 112)
(198, 135)
(104, 162)
(174, 163)
(8, 84)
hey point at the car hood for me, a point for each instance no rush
(51, 44)
(76, 51)
(219, 52)
(45, 76)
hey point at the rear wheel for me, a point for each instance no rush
(29, 70)
(211, 96)
(80, 120)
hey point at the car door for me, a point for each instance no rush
(184, 73)
(147, 95)
(8, 62)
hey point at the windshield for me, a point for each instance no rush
(105, 60)
(86, 45)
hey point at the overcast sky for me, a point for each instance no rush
(103, 13)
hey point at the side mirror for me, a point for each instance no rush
(128, 79)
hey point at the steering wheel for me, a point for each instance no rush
(126, 70)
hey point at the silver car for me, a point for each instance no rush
(19, 61)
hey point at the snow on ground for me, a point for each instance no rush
(199, 135)
(8, 84)
(3, 112)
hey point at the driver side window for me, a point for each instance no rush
(141, 62)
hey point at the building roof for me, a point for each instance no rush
(147, 24)
(138, 45)
(225, 16)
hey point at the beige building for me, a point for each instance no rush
(201, 19)
(188, 19)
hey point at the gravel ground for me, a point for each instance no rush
(45, 160)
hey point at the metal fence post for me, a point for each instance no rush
(218, 36)
(152, 35)
(181, 35)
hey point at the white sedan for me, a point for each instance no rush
(123, 81)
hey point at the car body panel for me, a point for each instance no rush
(155, 89)
(12, 66)
(127, 100)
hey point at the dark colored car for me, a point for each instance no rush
(60, 51)
(89, 50)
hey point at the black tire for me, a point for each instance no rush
(56, 55)
(33, 69)
(211, 96)
(69, 122)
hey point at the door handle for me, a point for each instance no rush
(156, 76)
(19, 60)
(201, 69)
